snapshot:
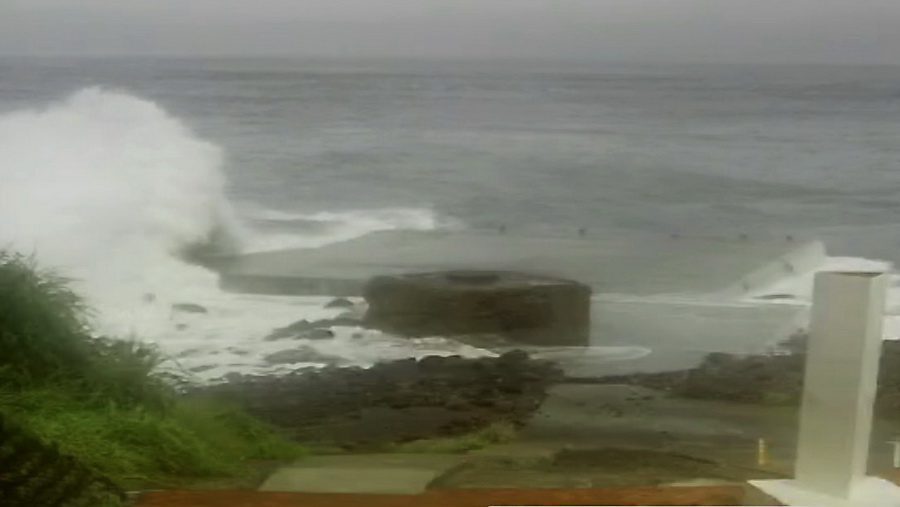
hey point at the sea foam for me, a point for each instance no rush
(111, 190)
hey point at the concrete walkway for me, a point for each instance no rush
(367, 473)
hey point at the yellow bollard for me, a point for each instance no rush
(762, 452)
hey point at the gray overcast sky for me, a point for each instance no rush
(840, 31)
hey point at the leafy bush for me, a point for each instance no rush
(98, 400)
(43, 323)
(45, 339)
(122, 371)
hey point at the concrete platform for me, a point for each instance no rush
(870, 492)
(682, 297)
(371, 473)
(624, 263)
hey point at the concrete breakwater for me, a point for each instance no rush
(522, 308)
(626, 263)
(685, 294)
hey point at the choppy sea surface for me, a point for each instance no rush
(111, 168)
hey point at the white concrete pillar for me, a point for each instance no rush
(838, 398)
(840, 382)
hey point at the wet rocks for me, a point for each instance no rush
(775, 379)
(340, 303)
(318, 334)
(395, 401)
(764, 379)
(201, 368)
(315, 330)
(524, 308)
(189, 308)
(301, 354)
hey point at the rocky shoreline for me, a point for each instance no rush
(772, 379)
(394, 402)
(443, 396)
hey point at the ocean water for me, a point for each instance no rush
(110, 169)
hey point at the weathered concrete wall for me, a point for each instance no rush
(523, 308)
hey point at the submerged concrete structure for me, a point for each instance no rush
(610, 263)
(690, 294)
(839, 390)
(520, 307)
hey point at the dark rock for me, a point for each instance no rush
(514, 356)
(433, 362)
(523, 308)
(317, 334)
(397, 401)
(301, 354)
(765, 379)
(301, 327)
(340, 303)
(290, 330)
(189, 308)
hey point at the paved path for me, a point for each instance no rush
(373, 473)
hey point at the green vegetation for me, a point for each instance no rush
(136, 445)
(496, 433)
(34, 473)
(97, 400)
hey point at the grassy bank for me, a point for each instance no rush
(98, 401)
(137, 446)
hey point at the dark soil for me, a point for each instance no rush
(394, 402)
(480, 497)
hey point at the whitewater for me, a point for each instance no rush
(113, 191)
